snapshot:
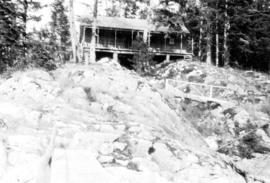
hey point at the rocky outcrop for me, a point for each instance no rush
(257, 168)
(113, 126)
(241, 129)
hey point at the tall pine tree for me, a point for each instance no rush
(11, 33)
(60, 24)
(60, 34)
(249, 37)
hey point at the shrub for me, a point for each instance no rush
(143, 59)
(42, 55)
(243, 147)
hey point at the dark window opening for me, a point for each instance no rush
(159, 58)
(176, 58)
(125, 60)
(100, 55)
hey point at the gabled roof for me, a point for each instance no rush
(132, 24)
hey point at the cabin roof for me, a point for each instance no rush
(133, 24)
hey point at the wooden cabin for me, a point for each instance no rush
(114, 37)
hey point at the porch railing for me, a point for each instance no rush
(108, 44)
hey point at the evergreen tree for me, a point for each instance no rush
(169, 17)
(249, 38)
(60, 35)
(60, 24)
(143, 59)
(17, 48)
(10, 35)
(24, 9)
(131, 8)
(234, 32)
(114, 10)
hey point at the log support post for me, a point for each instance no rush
(181, 43)
(167, 58)
(115, 56)
(132, 35)
(115, 38)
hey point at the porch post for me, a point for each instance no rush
(145, 35)
(192, 45)
(84, 54)
(86, 57)
(132, 34)
(167, 58)
(83, 38)
(165, 43)
(149, 39)
(97, 43)
(115, 38)
(181, 43)
(115, 56)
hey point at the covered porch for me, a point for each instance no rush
(112, 39)
(122, 39)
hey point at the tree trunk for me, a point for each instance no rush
(93, 38)
(198, 4)
(73, 32)
(217, 38)
(208, 48)
(25, 12)
(217, 49)
(226, 27)
(192, 45)
(25, 15)
(200, 41)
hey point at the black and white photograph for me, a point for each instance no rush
(134, 91)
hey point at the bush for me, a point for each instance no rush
(33, 54)
(42, 55)
(244, 147)
(247, 145)
(143, 59)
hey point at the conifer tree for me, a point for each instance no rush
(249, 37)
(10, 35)
(114, 10)
(60, 24)
(229, 32)
(24, 8)
(60, 34)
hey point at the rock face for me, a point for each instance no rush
(244, 83)
(113, 126)
(258, 168)
(241, 129)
